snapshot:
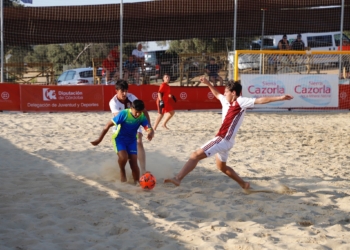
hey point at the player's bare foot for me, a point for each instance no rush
(174, 181)
(123, 179)
(246, 185)
(164, 126)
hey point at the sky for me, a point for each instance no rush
(48, 3)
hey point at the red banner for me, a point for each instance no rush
(9, 97)
(344, 96)
(96, 98)
(148, 94)
(108, 93)
(61, 98)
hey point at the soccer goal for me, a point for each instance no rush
(317, 79)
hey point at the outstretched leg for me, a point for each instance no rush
(141, 154)
(167, 118)
(231, 173)
(188, 167)
(122, 160)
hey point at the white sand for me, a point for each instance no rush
(59, 192)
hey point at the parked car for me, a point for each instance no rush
(80, 76)
(157, 63)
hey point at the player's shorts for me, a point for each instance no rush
(218, 146)
(130, 146)
(138, 131)
(167, 108)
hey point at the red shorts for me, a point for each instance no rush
(167, 108)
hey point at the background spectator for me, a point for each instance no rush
(139, 56)
(212, 69)
(298, 44)
(109, 68)
(283, 44)
(115, 53)
(131, 68)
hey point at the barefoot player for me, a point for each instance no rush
(124, 141)
(234, 107)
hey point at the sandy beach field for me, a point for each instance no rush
(57, 191)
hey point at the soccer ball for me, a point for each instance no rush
(147, 181)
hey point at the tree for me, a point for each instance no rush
(196, 45)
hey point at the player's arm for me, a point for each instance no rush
(150, 132)
(160, 97)
(215, 92)
(103, 133)
(112, 107)
(148, 117)
(264, 100)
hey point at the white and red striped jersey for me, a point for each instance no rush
(116, 106)
(232, 116)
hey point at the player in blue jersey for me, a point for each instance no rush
(124, 138)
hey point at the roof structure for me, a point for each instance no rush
(169, 20)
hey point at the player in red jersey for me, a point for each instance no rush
(164, 103)
(234, 107)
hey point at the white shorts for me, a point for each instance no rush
(218, 146)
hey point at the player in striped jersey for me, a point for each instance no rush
(234, 107)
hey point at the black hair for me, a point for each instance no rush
(284, 35)
(166, 74)
(121, 85)
(234, 86)
(138, 105)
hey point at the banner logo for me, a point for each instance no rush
(5, 95)
(183, 95)
(49, 94)
(210, 95)
(154, 95)
(343, 95)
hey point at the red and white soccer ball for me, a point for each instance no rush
(147, 181)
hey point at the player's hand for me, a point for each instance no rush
(161, 104)
(174, 98)
(287, 97)
(95, 142)
(150, 135)
(204, 80)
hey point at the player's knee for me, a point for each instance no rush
(221, 167)
(196, 156)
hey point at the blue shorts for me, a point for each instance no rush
(130, 146)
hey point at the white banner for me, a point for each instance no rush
(309, 91)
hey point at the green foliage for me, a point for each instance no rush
(195, 45)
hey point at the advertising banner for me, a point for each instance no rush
(187, 98)
(206, 99)
(61, 98)
(9, 97)
(309, 91)
(344, 96)
(148, 94)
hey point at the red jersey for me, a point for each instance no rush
(164, 89)
(115, 54)
(109, 65)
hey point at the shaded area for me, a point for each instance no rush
(168, 20)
